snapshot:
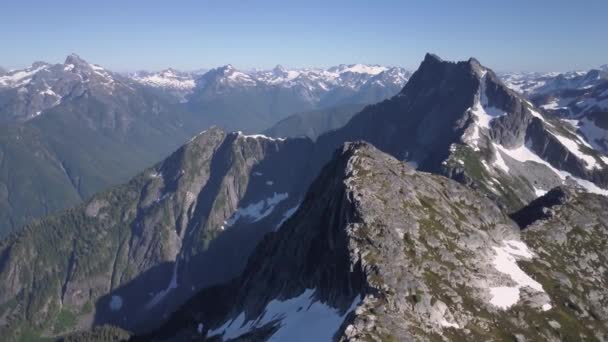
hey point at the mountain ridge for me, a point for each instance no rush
(379, 277)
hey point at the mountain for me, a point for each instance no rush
(527, 82)
(314, 123)
(26, 93)
(73, 129)
(460, 120)
(138, 249)
(188, 228)
(535, 83)
(254, 100)
(581, 99)
(378, 251)
(177, 83)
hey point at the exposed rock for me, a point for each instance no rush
(417, 255)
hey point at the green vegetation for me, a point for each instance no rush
(65, 321)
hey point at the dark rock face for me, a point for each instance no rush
(540, 208)
(434, 100)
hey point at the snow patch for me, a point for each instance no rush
(574, 148)
(594, 135)
(539, 192)
(525, 154)
(483, 113)
(20, 77)
(168, 79)
(257, 211)
(505, 261)
(499, 162)
(364, 69)
(259, 136)
(289, 213)
(301, 319)
(447, 324)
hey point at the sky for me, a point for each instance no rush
(127, 35)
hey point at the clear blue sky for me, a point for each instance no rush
(124, 35)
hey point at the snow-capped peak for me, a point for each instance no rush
(313, 81)
(43, 86)
(360, 69)
(18, 78)
(75, 60)
(168, 78)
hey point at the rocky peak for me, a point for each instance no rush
(279, 70)
(226, 69)
(75, 60)
(431, 58)
(459, 118)
(39, 64)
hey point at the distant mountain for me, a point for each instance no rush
(25, 94)
(314, 123)
(178, 83)
(69, 130)
(73, 129)
(585, 109)
(188, 228)
(580, 98)
(254, 100)
(530, 84)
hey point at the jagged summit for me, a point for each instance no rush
(432, 58)
(459, 119)
(226, 68)
(75, 60)
(279, 69)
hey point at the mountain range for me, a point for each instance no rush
(578, 98)
(222, 95)
(466, 213)
(70, 130)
